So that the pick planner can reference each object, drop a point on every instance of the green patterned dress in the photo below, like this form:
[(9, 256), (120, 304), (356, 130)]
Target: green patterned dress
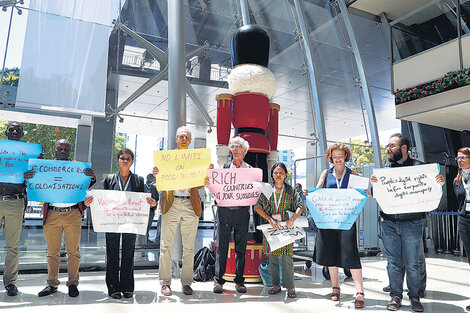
[(290, 201)]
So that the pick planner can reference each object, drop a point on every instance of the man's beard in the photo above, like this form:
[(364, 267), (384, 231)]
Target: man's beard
[(396, 156)]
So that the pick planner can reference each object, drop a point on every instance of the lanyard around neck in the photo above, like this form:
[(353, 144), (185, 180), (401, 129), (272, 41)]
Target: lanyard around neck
[(338, 185), (277, 201), (127, 183)]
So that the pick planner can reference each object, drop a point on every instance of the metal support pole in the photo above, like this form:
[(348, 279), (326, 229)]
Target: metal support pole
[(6, 51), (312, 74), (303, 159), (176, 70), (418, 141), (459, 34), (365, 84), (245, 12)]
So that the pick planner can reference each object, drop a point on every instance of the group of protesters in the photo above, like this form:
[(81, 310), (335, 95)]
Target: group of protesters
[(401, 233)]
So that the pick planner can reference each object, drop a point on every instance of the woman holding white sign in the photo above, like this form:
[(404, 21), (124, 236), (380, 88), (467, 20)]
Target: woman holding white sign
[(462, 192), (120, 283), (338, 248), (275, 209)]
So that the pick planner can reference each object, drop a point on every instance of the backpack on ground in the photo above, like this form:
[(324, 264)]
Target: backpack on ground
[(204, 265)]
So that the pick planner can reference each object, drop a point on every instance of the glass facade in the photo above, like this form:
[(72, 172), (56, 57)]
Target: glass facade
[(114, 68)]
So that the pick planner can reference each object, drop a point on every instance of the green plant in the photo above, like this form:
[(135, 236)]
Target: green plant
[(11, 77), (449, 81)]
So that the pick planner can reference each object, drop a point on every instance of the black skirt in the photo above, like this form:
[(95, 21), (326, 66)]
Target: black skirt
[(337, 248)]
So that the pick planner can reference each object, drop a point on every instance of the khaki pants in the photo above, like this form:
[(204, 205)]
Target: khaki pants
[(180, 212), (11, 211), (69, 223)]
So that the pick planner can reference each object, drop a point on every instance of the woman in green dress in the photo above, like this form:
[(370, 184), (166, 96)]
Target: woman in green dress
[(274, 210)]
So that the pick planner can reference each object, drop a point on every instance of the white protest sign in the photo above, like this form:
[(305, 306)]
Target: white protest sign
[(114, 211), (283, 235), (358, 182), (409, 189)]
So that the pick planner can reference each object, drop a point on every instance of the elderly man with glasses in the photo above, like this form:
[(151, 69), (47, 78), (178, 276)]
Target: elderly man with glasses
[(236, 218), (179, 207)]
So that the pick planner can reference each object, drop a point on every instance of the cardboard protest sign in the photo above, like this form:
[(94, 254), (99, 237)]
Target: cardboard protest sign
[(58, 181), (14, 156), (234, 186), (408, 189), (282, 236), (114, 211), (333, 208), (181, 168)]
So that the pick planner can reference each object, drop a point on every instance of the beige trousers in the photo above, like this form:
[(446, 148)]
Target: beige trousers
[(69, 223), (180, 212), (11, 211)]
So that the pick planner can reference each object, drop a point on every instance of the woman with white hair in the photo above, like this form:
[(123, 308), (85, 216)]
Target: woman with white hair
[(232, 218)]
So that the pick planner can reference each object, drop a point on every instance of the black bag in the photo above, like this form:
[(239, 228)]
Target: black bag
[(204, 265)]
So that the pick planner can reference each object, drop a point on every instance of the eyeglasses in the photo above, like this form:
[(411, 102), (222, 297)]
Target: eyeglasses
[(463, 158), (391, 146), (123, 159), (233, 147)]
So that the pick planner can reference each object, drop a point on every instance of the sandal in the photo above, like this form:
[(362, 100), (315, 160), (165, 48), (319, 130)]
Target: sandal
[(291, 293), (335, 294), (358, 303), (274, 290)]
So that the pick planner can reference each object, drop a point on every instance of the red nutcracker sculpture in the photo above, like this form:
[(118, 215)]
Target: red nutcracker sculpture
[(254, 118)]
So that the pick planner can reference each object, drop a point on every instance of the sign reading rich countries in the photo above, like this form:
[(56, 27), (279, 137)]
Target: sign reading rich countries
[(335, 208), (408, 189), (114, 211), (234, 186), (58, 181), (14, 156), (181, 168)]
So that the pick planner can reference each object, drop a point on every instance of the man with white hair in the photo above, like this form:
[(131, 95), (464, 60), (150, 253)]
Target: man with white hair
[(236, 218), (179, 207)]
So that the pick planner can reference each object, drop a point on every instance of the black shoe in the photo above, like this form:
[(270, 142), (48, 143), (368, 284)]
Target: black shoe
[(416, 305), (386, 288), (467, 308), (73, 291), (240, 288), (127, 294), (116, 295), (11, 290), (47, 291)]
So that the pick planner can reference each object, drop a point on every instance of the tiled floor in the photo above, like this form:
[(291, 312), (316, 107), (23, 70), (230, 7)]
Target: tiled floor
[(447, 291)]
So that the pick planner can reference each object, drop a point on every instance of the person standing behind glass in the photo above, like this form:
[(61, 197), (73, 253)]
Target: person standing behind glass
[(462, 192), (298, 187), (122, 281), (333, 247), (150, 188), (273, 210)]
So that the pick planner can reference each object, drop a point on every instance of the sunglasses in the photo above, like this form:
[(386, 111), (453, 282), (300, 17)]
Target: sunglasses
[(123, 159)]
